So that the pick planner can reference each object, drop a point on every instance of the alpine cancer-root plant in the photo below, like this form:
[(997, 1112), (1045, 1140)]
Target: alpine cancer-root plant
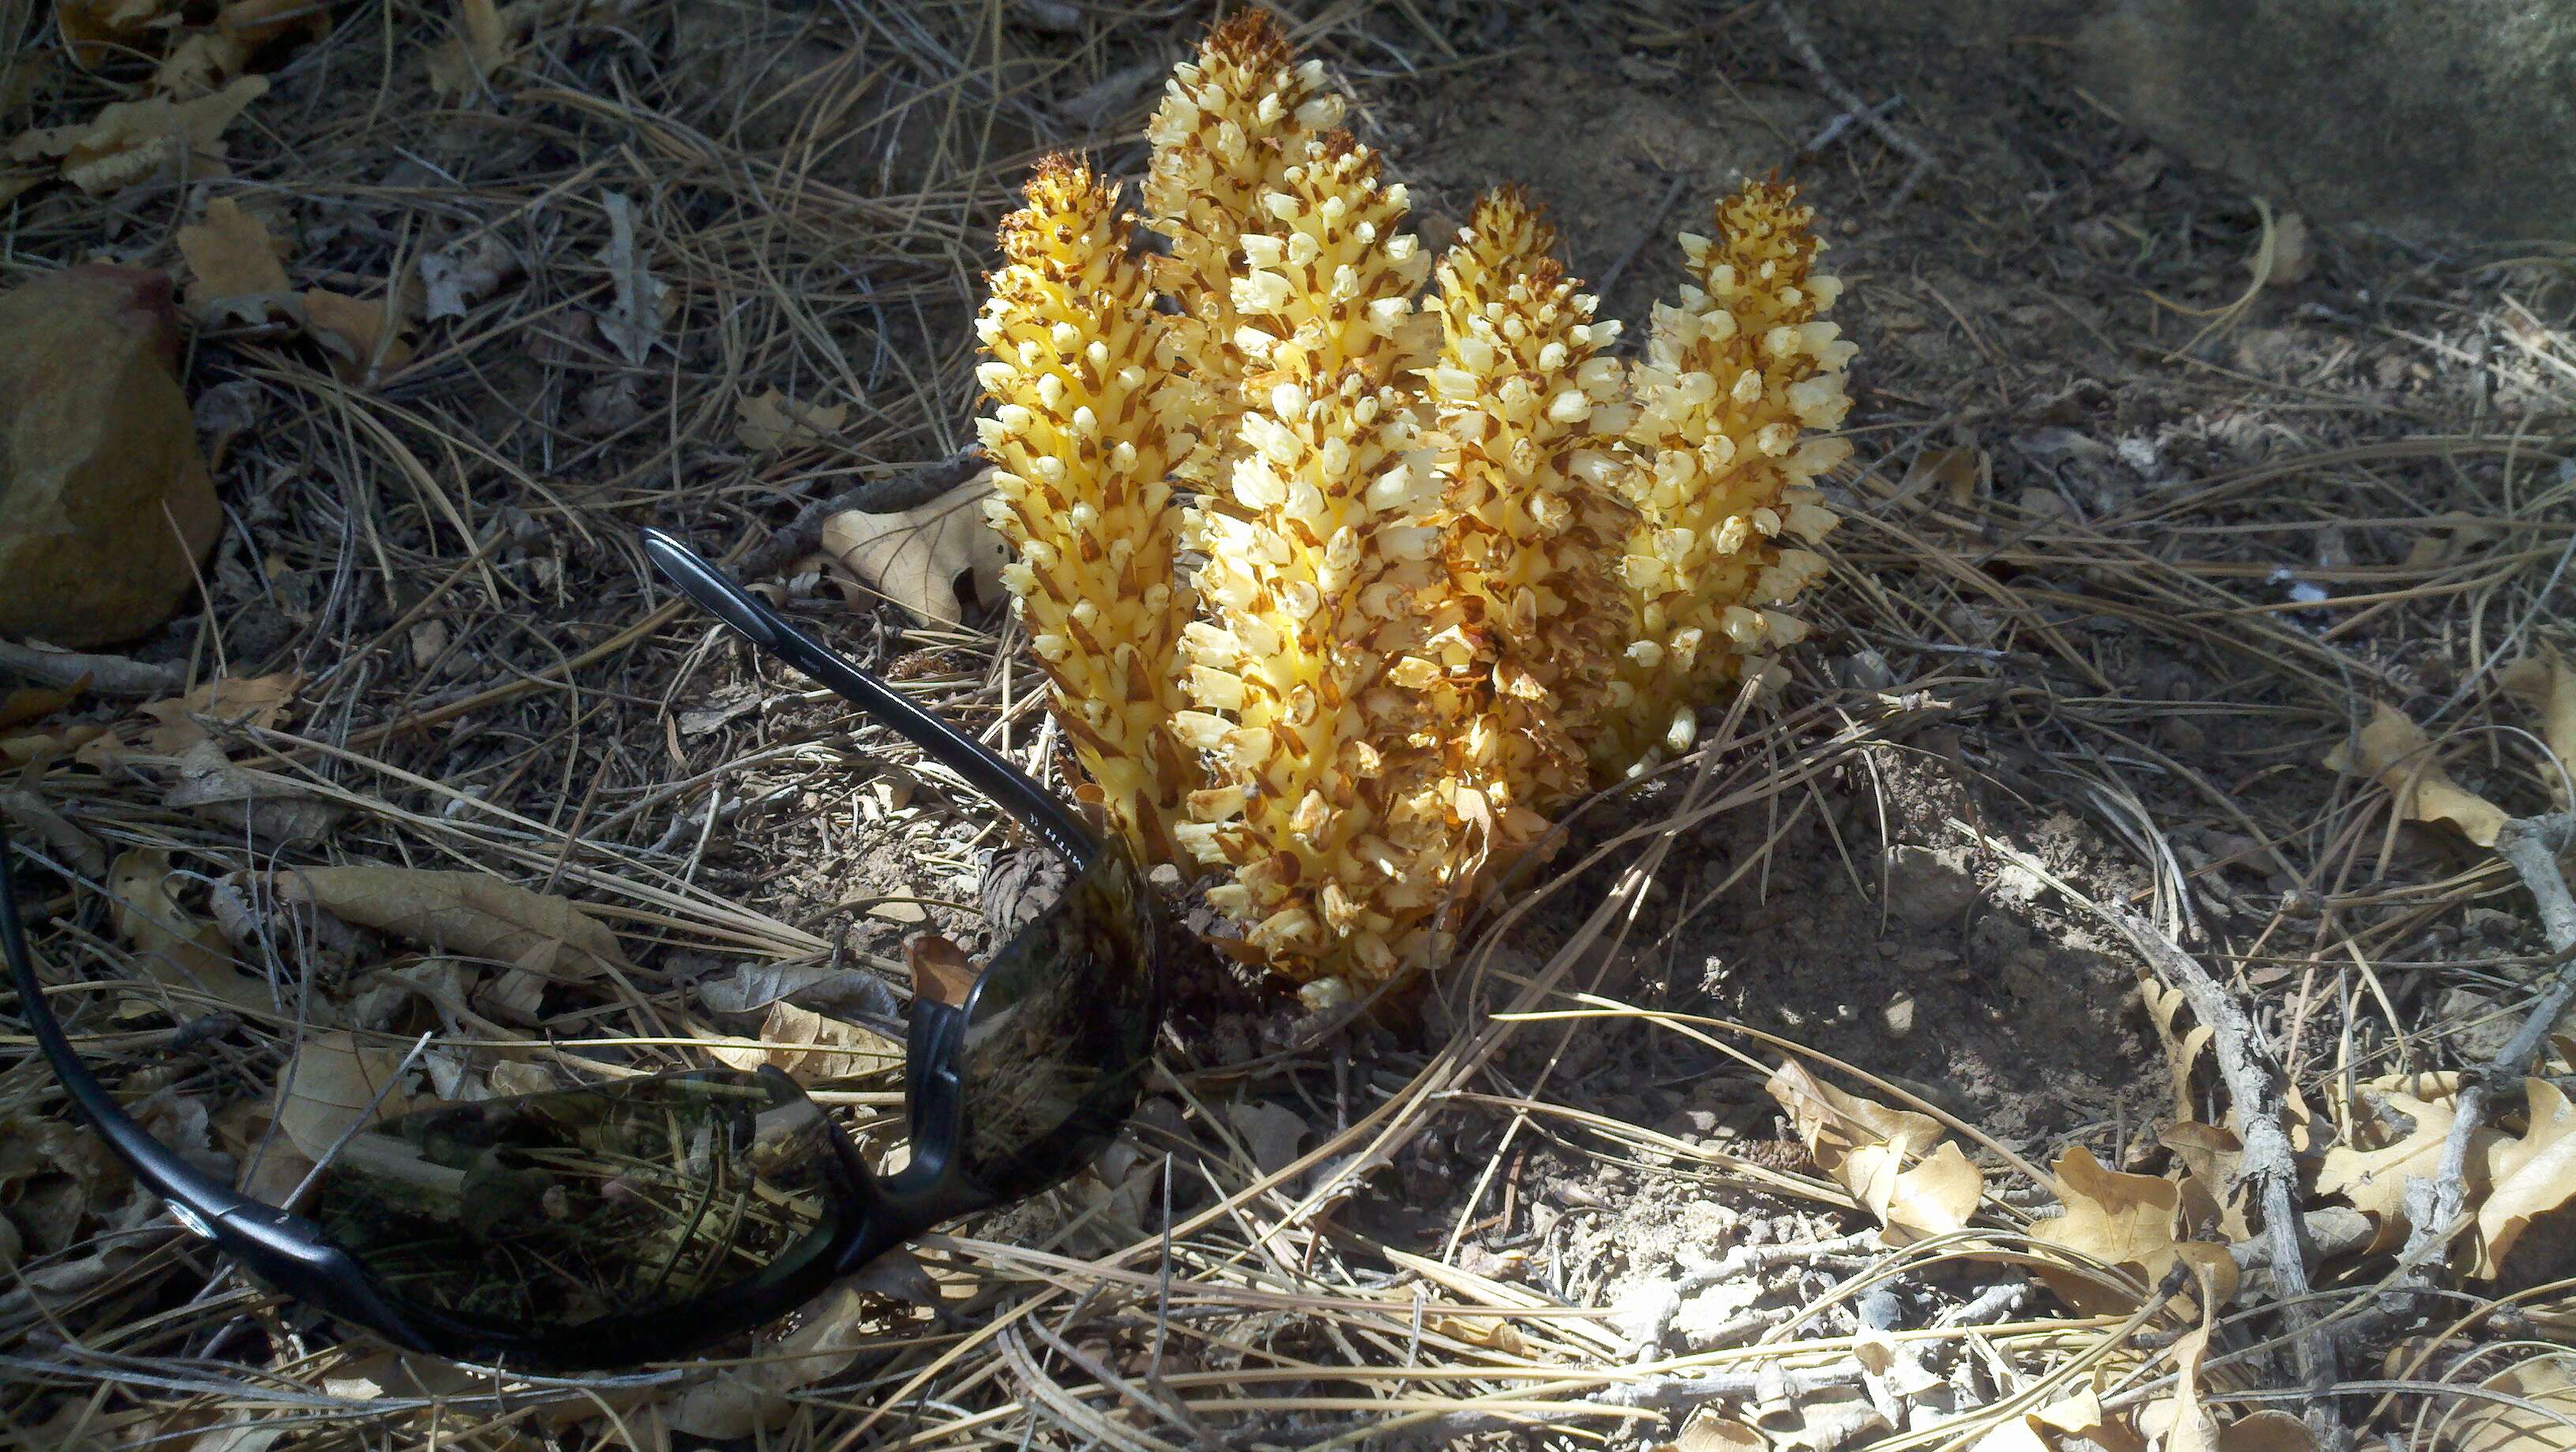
[(1348, 566)]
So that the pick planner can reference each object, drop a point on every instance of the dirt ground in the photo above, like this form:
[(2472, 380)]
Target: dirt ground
[(2131, 544)]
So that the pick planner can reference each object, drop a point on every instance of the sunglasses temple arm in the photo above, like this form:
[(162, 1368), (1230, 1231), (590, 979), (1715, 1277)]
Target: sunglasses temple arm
[(172, 1178), (1033, 806)]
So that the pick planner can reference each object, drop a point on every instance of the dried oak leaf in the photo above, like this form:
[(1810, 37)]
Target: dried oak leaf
[(260, 702), (484, 38), (181, 951), (916, 557), (366, 339), (2128, 1221), (774, 421), (2396, 752), (105, 504), (93, 31), (472, 914), (2528, 1175), (132, 141), (335, 1084), (2546, 684), (2544, 1420), (1865, 1146), (809, 1047), (234, 272)]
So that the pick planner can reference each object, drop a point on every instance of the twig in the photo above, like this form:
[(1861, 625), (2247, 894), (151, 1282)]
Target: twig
[(804, 534), (2530, 845), (1925, 164), (2255, 1083), (109, 675)]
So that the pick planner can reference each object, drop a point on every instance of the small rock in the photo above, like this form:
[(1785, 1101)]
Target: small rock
[(1898, 1015), (1926, 891)]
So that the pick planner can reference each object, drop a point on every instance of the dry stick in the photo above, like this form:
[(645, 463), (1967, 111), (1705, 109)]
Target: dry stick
[(108, 675), (2530, 846), (803, 535), (2256, 1083), (1925, 164)]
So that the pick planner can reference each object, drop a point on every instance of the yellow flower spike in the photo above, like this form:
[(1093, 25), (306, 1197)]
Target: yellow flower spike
[(1083, 429), (1732, 379), (1528, 406), (1315, 676), (1230, 125)]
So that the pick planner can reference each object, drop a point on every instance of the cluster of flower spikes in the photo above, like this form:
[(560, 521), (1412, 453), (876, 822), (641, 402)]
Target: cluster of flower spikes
[(1531, 415), (1732, 379), (1448, 552), (1085, 428)]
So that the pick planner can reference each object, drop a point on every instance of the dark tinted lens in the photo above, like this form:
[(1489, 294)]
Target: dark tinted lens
[(540, 1212), (1059, 1034)]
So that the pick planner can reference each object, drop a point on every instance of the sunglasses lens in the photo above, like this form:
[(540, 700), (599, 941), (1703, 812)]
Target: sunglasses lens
[(541, 1212), (1059, 1034)]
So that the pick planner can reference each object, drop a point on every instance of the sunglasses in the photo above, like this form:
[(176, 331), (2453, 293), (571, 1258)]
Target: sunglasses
[(643, 1218)]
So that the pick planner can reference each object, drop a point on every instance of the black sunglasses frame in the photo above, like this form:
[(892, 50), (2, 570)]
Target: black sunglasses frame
[(295, 1255)]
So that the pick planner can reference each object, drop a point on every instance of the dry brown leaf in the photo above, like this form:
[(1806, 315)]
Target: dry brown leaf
[(96, 30), (200, 64), (2182, 1048), (105, 504), (484, 38), (132, 141), (22, 704), (809, 1048), (180, 950), (471, 914), (2291, 257), (2545, 683), (2546, 1381), (1865, 1146), (773, 421), (2128, 1221), (230, 256), (267, 1165), (914, 558), (753, 1396), (2396, 752), (2372, 1175), (641, 302), (335, 1084), (1272, 1132), (258, 22), (356, 332), (259, 702), (2266, 1431), (2528, 1175), (1710, 1431)]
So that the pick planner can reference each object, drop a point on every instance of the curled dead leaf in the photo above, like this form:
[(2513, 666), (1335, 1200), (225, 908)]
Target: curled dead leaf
[(179, 950), (916, 557), (1866, 1148), (2396, 752), (472, 914), (2545, 683), (810, 1048), (133, 141)]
